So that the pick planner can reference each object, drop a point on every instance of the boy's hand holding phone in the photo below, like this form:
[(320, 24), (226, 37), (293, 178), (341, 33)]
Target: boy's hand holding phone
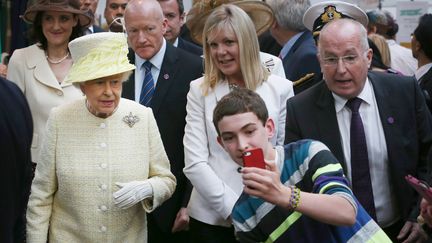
[(264, 184)]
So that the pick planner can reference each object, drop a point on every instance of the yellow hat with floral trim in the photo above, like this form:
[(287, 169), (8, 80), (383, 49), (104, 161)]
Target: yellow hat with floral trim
[(98, 55)]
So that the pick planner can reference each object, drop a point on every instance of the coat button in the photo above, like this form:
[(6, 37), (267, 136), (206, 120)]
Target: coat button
[(59, 93), (103, 228), (103, 145), (104, 187), (103, 165), (103, 208), (102, 125)]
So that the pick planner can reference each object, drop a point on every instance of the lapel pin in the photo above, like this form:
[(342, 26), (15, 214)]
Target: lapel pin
[(390, 120), (131, 119), (166, 76)]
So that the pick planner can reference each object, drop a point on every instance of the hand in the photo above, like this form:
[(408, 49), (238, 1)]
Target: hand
[(131, 193), (3, 70), (266, 184), (412, 232), (426, 212), (182, 221)]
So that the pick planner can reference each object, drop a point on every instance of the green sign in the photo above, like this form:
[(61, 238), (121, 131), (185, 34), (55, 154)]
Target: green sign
[(411, 12)]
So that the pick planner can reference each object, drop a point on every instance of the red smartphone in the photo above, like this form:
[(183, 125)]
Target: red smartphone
[(421, 187), (254, 158)]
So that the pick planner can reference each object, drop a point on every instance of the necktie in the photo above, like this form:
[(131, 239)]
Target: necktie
[(147, 89), (361, 182)]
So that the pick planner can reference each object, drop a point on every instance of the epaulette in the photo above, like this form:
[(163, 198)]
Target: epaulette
[(305, 78)]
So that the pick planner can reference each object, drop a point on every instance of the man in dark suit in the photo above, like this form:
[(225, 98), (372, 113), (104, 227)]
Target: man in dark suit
[(299, 51), (92, 6), (172, 69), (174, 13), (268, 44), (16, 131), (397, 126), (421, 46)]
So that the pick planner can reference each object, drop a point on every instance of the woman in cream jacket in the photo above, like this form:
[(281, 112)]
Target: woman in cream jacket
[(39, 69)]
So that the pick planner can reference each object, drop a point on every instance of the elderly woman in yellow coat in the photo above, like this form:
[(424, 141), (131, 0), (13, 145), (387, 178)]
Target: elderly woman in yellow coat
[(103, 164)]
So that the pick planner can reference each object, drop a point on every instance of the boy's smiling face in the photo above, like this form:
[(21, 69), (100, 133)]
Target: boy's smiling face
[(244, 131)]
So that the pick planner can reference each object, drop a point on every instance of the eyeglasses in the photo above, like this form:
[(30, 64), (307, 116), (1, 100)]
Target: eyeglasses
[(347, 60)]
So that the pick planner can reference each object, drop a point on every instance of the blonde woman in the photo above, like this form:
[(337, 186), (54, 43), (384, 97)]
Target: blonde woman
[(383, 48), (231, 54)]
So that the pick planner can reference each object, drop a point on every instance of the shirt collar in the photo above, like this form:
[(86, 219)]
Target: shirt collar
[(422, 70), (176, 42), (287, 47), (366, 95), (156, 60)]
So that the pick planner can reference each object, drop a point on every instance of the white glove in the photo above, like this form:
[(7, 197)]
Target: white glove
[(132, 193)]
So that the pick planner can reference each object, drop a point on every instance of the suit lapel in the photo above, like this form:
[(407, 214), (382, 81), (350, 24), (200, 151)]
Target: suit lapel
[(328, 125), (166, 77), (426, 79), (128, 91), (387, 112), (296, 45), (180, 43), (42, 71)]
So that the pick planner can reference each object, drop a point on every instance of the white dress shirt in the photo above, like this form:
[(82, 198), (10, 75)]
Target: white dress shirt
[(422, 70), (402, 59), (156, 60), (385, 205)]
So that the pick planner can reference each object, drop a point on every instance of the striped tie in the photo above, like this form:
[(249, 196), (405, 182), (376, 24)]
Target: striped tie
[(147, 89)]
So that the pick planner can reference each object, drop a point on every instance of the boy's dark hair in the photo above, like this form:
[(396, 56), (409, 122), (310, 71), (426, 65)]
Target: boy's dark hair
[(240, 100), (37, 34), (423, 34)]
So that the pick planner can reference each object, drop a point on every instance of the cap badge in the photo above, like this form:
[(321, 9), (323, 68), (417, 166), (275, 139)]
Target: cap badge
[(330, 13)]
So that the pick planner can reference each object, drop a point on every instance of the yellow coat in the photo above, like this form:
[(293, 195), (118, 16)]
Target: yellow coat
[(82, 158)]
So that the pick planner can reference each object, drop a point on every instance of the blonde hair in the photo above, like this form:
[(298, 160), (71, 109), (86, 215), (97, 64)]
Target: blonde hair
[(228, 17), (382, 46)]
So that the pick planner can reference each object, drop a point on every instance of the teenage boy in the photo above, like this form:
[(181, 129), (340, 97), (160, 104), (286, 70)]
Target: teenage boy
[(301, 196)]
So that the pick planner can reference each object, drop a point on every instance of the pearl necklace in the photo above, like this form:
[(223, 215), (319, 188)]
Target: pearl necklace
[(58, 61)]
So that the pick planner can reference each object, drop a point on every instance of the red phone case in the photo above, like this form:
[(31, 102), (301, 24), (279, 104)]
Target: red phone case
[(254, 158), (421, 187)]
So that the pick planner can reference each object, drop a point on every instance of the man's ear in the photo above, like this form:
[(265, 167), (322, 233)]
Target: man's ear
[(182, 18), (274, 25), (417, 46), (270, 128), (369, 56)]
